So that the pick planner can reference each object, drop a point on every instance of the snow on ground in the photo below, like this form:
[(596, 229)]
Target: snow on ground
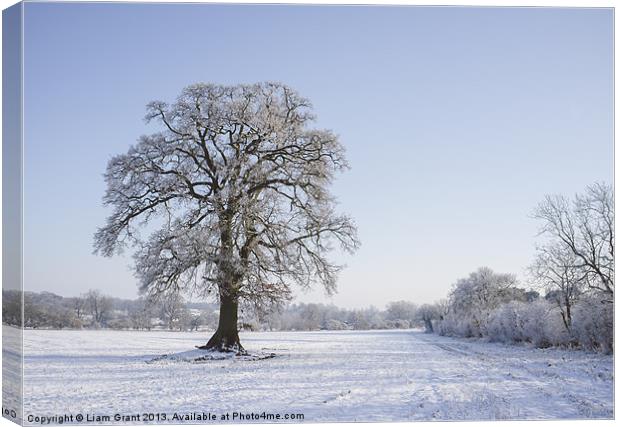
[(326, 376), (11, 372)]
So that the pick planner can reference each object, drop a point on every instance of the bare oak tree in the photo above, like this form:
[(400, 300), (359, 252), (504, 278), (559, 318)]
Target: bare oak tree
[(235, 186), (585, 227)]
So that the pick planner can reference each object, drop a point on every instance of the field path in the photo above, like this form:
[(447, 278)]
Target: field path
[(326, 376), (522, 382)]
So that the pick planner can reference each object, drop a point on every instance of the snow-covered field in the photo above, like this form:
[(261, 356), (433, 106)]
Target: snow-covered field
[(326, 376)]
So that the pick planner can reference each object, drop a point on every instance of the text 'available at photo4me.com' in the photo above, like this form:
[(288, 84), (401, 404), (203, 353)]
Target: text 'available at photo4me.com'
[(158, 417)]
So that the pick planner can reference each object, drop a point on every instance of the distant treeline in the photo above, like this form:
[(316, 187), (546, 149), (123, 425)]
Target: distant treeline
[(94, 310)]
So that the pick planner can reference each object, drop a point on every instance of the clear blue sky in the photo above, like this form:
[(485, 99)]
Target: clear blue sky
[(457, 121)]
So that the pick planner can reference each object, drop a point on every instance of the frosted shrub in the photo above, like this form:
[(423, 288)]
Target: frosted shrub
[(555, 330), (542, 324), (474, 298), (537, 322), (447, 325), (398, 324), (505, 323), (534, 323), (335, 325), (443, 327), (454, 326), (592, 324)]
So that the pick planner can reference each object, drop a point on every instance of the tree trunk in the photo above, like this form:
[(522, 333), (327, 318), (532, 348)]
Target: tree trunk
[(428, 323), (569, 320), (226, 337)]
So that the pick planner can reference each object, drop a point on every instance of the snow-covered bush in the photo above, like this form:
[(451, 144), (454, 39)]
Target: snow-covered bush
[(505, 323), (593, 324), (335, 325), (444, 326), (537, 322), (541, 324), (473, 299), (576, 311), (398, 324), (455, 325)]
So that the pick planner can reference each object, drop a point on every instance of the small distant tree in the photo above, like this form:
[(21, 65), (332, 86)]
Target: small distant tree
[(142, 313), (172, 310), (237, 182), (311, 317), (402, 310), (79, 307), (196, 320), (359, 320), (427, 313), (99, 307), (365, 318)]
